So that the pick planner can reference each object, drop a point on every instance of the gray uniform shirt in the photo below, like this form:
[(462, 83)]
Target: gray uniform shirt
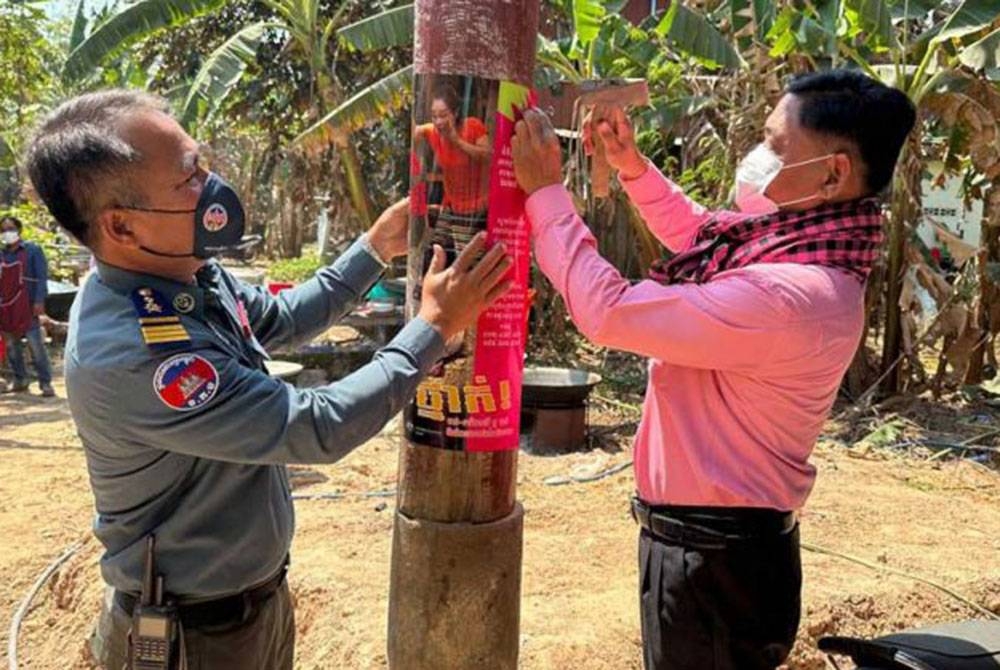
[(188, 439)]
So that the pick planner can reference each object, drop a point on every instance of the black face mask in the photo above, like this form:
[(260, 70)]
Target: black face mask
[(219, 220)]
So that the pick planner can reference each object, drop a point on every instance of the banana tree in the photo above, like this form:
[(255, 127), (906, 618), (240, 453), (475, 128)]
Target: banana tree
[(932, 72), (124, 28), (605, 45), (27, 79), (298, 22), (386, 30), (933, 52), (602, 44)]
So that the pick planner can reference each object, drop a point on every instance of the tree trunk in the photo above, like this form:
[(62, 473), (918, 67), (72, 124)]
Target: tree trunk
[(454, 598), (905, 211), (356, 188), (989, 292)]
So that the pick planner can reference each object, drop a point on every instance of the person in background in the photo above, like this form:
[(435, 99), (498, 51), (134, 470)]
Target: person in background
[(23, 278)]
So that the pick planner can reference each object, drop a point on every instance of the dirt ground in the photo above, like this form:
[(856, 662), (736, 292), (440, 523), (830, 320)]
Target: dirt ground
[(933, 518)]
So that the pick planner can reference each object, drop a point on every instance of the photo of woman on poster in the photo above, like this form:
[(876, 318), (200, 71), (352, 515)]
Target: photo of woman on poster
[(453, 152), (450, 185), (461, 150)]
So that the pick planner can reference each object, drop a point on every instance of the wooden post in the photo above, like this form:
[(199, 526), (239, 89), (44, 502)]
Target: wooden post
[(454, 599)]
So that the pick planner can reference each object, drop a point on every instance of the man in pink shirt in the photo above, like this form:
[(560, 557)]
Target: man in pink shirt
[(749, 330)]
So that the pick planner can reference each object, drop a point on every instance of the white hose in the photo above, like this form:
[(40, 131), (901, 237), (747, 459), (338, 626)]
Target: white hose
[(22, 610)]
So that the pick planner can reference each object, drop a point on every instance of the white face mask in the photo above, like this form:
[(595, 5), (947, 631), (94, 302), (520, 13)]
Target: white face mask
[(9, 237), (755, 173)]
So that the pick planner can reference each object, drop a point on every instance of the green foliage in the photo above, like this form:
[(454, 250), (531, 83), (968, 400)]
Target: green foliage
[(970, 17), (295, 269), (587, 18), (883, 435), (37, 229), (26, 78), (707, 181), (222, 71), (392, 28), (371, 103), (79, 27), (694, 34), (131, 24)]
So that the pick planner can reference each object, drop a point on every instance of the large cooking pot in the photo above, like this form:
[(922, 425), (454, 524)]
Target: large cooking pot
[(557, 387), (59, 300)]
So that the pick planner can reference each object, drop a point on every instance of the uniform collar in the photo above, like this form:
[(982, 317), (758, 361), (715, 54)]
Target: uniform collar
[(186, 299)]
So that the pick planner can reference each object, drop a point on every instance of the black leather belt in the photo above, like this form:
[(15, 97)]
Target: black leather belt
[(711, 527), (224, 611)]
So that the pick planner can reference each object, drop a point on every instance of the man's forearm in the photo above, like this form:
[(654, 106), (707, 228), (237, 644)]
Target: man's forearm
[(299, 314)]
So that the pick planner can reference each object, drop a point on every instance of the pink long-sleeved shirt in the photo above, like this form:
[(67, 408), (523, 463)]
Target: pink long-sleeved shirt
[(744, 368)]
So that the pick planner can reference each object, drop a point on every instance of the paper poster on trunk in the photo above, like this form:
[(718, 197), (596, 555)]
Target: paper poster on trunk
[(461, 183)]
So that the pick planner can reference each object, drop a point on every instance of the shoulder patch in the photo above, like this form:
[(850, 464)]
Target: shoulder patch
[(160, 325), (185, 382)]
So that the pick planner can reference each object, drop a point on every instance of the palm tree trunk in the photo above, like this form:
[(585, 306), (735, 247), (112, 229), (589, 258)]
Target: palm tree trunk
[(905, 210), (989, 292), (329, 94), (356, 188), (457, 537)]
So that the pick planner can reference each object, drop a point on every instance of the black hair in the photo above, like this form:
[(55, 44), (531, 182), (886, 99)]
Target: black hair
[(852, 106), (78, 161), (13, 219), (449, 96)]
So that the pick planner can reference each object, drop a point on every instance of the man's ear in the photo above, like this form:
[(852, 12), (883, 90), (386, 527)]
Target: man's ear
[(116, 228), (838, 181)]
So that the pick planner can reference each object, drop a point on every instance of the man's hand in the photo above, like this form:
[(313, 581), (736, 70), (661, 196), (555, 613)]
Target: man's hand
[(612, 127), (388, 236), (537, 156), (38, 309), (453, 297)]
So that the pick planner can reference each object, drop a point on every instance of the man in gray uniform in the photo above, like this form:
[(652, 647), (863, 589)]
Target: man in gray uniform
[(186, 436)]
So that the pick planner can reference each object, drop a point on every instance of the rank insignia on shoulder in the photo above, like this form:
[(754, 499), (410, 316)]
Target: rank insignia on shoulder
[(160, 325)]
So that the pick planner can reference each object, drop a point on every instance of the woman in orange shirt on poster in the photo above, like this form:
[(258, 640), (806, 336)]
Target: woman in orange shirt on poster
[(462, 152)]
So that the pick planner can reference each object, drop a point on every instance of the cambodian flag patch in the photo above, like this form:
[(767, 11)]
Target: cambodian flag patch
[(185, 382)]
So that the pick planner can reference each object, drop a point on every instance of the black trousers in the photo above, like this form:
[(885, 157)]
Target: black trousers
[(733, 608)]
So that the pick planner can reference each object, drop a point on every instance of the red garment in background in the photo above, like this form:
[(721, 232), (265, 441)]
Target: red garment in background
[(15, 305)]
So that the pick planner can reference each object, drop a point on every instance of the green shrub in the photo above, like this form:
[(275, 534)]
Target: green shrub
[(295, 269)]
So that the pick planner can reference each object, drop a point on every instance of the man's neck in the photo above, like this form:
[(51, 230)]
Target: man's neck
[(180, 275)]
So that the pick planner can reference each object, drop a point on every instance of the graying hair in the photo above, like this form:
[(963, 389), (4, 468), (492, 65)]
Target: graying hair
[(78, 161)]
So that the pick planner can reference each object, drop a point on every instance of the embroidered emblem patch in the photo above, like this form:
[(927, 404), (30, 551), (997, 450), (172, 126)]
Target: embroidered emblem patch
[(184, 303), (185, 382), (215, 218)]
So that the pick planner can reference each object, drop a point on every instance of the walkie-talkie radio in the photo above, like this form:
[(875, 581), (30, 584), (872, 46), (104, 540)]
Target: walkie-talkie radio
[(154, 624)]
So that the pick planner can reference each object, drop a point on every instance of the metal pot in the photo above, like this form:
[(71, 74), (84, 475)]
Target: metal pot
[(557, 387), (59, 300)]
